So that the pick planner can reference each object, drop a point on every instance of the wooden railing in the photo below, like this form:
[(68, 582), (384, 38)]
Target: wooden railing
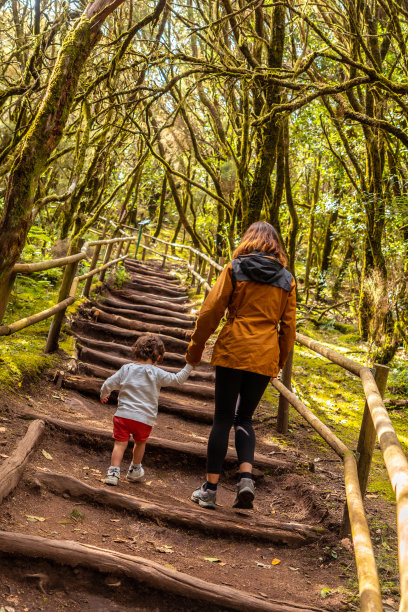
[(200, 275), (375, 423), (69, 284)]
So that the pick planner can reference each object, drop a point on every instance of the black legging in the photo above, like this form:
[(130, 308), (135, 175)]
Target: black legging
[(237, 394)]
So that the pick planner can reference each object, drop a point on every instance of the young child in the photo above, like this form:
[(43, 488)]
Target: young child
[(139, 385)]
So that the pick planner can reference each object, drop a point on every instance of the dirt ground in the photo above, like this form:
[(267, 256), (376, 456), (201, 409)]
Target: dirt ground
[(319, 574)]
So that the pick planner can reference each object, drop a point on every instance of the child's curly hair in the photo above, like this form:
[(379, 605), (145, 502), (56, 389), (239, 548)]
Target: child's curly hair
[(148, 347)]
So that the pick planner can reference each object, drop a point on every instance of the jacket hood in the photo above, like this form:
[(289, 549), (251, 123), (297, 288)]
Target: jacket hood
[(261, 268)]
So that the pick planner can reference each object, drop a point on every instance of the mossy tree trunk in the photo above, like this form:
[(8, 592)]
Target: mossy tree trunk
[(270, 130), (43, 137), (294, 218), (162, 207)]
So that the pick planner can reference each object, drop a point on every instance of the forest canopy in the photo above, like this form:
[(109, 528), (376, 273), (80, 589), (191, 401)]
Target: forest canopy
[(207, 116)]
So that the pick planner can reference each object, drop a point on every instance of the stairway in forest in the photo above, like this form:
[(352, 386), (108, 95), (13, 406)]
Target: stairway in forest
[(211, 551)]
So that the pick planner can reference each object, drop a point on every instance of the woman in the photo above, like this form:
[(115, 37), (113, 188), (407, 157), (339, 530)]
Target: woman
[(251, 348)]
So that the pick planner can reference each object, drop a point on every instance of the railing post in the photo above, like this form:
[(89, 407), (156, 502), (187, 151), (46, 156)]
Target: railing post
[(108, 252), (367, 437), (190, 259), (55, 327), (221, 261), (209, 279), (146, 240), (128, 243), (283, 408), (166, 248), (94, 261), (201, 271), (193, 278), (366, 444)]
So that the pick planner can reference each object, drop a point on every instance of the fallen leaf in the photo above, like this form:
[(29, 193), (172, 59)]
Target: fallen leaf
[(35, 519), (170, 566), (164, 549), (47, 455), (212, 559), (294, 569), (121, 540), (325, 592), (86, 467), (65, 522), (275, 561), (264, 565), (2, 429), (4, 456), (346, 543), (115, 520)]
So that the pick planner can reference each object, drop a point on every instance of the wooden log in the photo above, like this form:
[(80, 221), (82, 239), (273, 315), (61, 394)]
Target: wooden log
[(185, 408), (173, 285), (89, 355), (128, 336), (158, 296), (123, 350), (136, 297), (192, 389), (113, 303), (136, 315), (182, 406), (12, 467), (149, 573), (158, 283), (291, 534), (105, 317), (161, 445), (132, 264), (160, 291)]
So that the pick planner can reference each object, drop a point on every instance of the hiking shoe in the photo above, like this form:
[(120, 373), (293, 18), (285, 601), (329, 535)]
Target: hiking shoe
[(112, 477), (135, 473), (245, 494), (204, 498)]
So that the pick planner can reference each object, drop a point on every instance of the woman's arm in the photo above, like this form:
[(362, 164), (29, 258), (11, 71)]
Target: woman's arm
[(287, 326), (210, 315)]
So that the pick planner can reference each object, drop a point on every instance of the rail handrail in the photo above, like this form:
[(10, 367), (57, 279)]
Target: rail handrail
[(203, 256), (70, 297)]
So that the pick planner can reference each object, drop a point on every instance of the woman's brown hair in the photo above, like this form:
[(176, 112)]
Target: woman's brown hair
[(148, 347), (261, 236)]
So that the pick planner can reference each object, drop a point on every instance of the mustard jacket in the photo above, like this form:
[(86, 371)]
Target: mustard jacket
[(260, 328)]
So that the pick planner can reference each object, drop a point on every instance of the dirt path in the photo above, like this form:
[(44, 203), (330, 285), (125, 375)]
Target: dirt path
[(276, 557)]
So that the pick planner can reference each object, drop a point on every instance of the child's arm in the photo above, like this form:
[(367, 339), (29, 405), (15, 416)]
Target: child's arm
[(168, 379), (111, 384)]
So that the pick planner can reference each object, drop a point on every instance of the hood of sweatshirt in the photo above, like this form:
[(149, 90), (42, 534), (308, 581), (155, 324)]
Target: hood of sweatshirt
[(261, 268)]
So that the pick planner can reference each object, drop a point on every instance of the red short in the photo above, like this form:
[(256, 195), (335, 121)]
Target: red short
[(123, 428)]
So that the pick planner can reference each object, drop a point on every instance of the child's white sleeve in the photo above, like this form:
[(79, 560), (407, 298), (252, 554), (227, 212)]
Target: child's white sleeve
[(168, 379), (112, 383)]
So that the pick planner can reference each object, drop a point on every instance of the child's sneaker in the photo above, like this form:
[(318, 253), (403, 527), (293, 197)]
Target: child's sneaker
[(245, 494), (135, 473), (112, 477), (204, 498)]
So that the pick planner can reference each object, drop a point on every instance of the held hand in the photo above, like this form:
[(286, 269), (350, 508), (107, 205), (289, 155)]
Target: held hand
[(104, 399)]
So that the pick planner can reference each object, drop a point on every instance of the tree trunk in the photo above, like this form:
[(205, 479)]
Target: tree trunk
[(44, 135), (269, 135), (294, 219), (162, 207)]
